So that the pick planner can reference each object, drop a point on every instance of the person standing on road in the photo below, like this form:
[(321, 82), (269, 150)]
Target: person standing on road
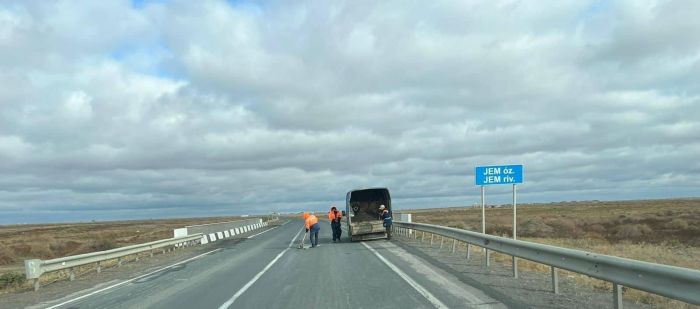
[(312, 227), (386, 217), (334, 216)]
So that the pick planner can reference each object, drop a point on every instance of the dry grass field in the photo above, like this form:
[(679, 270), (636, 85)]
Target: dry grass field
[(659, 231), (47, 241)]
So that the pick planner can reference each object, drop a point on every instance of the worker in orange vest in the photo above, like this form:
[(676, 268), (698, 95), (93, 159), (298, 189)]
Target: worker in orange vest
[(334, 216), (312, 227)]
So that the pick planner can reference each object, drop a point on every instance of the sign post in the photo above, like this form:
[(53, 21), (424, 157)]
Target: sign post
[(499, 175), (515, 224)]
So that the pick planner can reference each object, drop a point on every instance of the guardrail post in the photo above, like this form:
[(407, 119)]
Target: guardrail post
[(151, 252), (415, 234), (617, 296), (37, 285), (454, 245), (71, 274), (432, 236), (515, 267), (442, 240), (469, 251), (555, 280), (422, 236), (99, 267), (488, 257)]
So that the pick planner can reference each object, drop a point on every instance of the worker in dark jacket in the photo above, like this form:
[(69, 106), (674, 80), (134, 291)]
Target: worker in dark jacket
[(385, 216), (334, 216)]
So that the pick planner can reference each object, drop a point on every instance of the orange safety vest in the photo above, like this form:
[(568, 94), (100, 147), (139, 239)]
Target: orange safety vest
[(311, 220), (332, 216)]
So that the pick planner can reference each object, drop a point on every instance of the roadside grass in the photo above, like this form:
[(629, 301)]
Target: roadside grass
[(657, 231), (48, 241)]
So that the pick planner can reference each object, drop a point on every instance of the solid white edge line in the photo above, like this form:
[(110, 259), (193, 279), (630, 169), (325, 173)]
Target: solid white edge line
[(430, 297), (130, 280), (265, 231), (252, 281)]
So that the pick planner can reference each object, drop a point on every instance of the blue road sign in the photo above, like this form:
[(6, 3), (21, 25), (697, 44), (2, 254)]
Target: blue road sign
[(499, 175)]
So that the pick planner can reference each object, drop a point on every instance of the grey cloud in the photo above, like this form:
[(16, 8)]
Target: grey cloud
[(207, 108)]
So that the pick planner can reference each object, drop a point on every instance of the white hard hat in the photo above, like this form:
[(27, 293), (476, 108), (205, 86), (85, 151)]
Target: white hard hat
[(382, 207)]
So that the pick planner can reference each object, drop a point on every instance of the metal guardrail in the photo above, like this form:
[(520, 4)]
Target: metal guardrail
[(673, 282), (35, 268), (210, 228)]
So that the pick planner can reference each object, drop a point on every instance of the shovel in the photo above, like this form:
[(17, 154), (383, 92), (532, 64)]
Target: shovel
[(301, 245)]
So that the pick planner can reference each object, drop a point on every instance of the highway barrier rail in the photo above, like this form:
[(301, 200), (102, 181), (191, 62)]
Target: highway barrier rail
[(34, 268), (673, 282), (189, 235), (217, 231)]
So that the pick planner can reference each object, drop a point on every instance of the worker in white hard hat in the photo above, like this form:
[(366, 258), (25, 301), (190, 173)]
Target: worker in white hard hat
[(385, 216)]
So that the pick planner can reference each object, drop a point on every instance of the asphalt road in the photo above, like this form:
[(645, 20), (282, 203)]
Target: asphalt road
[(268, 271)]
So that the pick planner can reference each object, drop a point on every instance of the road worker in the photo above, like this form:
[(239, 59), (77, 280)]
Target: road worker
[(312, 227), (386, 217), (334, 216)]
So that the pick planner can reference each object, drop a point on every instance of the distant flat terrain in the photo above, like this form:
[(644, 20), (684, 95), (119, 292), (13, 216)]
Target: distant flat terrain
[(47, 241)]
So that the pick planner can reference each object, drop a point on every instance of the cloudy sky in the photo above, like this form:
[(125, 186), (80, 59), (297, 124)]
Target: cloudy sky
[(154, 109)]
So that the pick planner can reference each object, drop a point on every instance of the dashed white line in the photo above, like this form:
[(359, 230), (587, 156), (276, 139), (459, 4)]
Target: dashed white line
[(430, 297), (130, 280), (250, 283)]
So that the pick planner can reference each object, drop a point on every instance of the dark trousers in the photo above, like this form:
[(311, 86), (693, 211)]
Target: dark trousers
[(313, 234), (335, 226), (388, 231)]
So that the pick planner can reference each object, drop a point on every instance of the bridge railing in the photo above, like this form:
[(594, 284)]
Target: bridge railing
[(34, 268), (673, 282)]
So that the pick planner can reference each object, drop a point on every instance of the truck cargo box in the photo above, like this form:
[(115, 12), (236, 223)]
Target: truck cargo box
[(362, 207)]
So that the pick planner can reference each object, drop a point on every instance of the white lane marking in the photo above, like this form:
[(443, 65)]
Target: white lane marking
[(265, 231), (443, 281), (130, 280), (240, 292), (430, 297)]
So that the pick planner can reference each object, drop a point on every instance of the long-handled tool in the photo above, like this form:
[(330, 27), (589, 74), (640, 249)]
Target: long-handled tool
[(301, 245)]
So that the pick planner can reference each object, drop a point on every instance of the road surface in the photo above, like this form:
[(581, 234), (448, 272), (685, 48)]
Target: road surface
[(268, 271)]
